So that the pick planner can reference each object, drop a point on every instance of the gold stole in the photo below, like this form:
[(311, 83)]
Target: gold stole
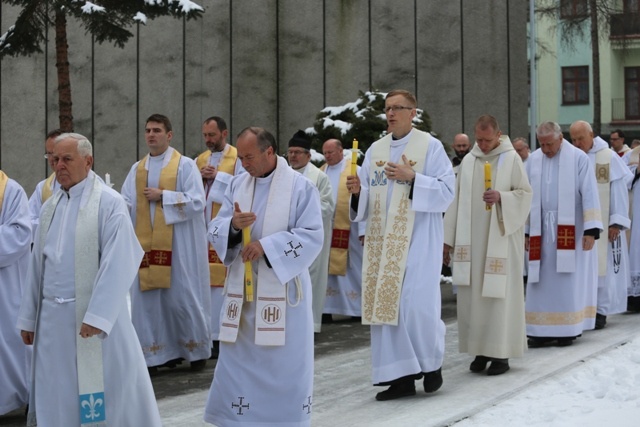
[(47, 186), (603, 161), (156, 241), (217, 270), (338, 254), (3, 185), (388, 235)]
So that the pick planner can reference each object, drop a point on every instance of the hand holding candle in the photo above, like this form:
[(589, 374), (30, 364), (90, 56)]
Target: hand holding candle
[(487, 181), (354, 158), (248, 271)]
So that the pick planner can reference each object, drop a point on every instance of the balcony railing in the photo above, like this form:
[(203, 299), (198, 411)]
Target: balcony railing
[(625, 25), (620, 112)]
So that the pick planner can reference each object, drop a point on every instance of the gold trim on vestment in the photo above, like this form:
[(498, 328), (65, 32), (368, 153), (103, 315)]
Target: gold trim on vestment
[(47, 187), (3, 185), (156, 240), (217, 270), (338, 255), (568, 318)]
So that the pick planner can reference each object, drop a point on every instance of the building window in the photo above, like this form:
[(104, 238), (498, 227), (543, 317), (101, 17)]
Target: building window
[(573, 9), (575, 85), (631, 6), (632, 93)]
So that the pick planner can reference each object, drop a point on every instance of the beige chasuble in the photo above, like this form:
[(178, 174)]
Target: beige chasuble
[(3, 185), (47, 187)]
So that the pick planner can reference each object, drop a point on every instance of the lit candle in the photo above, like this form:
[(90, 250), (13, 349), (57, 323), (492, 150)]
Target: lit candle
[(487, 180), (354, 158), (248, 271), (107, 179)]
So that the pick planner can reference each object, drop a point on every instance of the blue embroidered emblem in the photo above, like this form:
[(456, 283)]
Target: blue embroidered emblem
[(92, 408), (379, 178)]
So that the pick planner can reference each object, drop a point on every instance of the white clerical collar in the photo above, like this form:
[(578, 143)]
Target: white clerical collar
[(76, 190), (301, 170), (401, 141)]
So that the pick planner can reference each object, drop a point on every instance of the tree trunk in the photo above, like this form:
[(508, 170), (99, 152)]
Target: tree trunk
[(595, 60), (64, 80)]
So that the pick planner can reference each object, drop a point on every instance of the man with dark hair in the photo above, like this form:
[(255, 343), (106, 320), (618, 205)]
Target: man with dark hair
[(405, 185), (484, 229), (617, 142), (170, 298), (46, 187), (264, 374), (218, 164)]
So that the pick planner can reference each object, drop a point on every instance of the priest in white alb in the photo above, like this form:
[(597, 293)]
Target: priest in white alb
[(217, 165), (170, 299), (612, 176), (15, 245), (344, 282), (484, 230), (405, 185), (299, 156), (264, 374), (564, 224), (88, 368), (632, 159)]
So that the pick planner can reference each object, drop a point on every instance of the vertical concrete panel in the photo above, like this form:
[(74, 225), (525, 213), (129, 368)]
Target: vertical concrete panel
[(439, 79), (23, 112), (161, 85), (81, 76), (346, 50), (301, 61), (208, 71), (254, 64), (519, 70), (485, 61), (393, 45), (115, 129)]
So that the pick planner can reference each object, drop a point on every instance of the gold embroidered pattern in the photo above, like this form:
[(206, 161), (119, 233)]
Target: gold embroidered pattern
[(462, 253), (374, 242), (495, 266), (544, 318), (388, 293)]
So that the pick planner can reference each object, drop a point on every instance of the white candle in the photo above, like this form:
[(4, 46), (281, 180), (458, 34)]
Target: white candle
[(107, 179)]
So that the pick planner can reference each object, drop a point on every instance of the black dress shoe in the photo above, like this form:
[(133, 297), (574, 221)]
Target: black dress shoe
[(565, 342), (479, 364), (498, 366), (601, 321), (537, 342), (327, 318), (433, 381), (215, 349), (396, 391)]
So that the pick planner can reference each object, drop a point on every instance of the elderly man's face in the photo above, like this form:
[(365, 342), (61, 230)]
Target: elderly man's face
[(48, 149), (522, 149), (298, 157), (71, 167), (581, 137), (550, 145), (332, 152), (257, 163)]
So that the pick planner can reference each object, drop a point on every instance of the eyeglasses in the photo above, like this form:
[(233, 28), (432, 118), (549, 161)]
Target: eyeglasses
[(295, 152), (615, 139), (396, 108), (46, 155)]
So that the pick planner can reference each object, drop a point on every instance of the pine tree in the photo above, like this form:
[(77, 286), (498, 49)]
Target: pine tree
[(105, 20)]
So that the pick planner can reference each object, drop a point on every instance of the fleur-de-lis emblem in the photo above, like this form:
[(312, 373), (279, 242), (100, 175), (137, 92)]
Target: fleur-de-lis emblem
[(380, 163), (92, 407)]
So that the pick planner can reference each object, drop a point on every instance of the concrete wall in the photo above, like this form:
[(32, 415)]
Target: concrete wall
[(270, 63)]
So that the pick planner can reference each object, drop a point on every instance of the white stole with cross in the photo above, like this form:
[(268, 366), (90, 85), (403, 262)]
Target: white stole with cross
[(271, 299), (494, 283), (389, 232)]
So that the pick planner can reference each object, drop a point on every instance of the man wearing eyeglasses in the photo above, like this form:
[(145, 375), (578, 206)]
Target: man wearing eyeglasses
[(299, 156), (405, 185), (617, 142), (46, 187)]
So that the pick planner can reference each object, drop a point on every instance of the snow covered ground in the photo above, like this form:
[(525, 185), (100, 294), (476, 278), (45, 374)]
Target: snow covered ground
[(595, 382)]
